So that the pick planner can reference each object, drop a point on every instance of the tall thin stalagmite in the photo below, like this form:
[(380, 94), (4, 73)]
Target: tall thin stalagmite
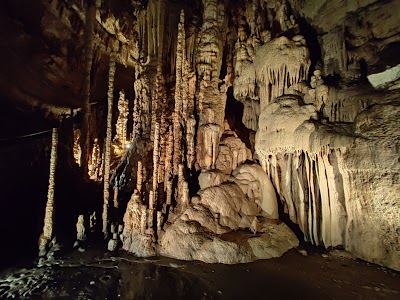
[(123, 108), (168, 165), (48, 227), (139, 177), (156, 160), (106, 192), (177, 156), (89, 43)]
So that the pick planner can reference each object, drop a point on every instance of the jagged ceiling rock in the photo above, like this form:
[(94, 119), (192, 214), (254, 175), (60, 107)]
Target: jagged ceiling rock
[(353, 33)]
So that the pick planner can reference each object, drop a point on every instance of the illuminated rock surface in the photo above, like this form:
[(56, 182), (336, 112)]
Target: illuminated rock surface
[(218, 131)]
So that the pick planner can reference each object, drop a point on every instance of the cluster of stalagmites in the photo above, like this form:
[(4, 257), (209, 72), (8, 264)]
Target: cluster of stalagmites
[(236, 196)]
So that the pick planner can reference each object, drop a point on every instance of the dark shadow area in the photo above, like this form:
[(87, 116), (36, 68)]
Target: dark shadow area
[(311, 36), (24, 177), (234, 115), (24, 169)]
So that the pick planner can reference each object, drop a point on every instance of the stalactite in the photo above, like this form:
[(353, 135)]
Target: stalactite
[(86, 110), (48, 227), (253, 17), (334, 50), (209, 52), (275, 76), (107, 153)]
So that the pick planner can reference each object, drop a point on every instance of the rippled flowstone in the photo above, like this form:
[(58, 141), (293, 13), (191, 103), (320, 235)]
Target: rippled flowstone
[(188, 240)]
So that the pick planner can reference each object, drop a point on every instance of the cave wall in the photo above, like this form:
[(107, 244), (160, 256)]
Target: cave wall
[(331, 161)]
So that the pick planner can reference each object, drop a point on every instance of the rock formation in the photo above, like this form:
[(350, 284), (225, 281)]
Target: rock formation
[(107, 152), (48, 227), (243, 113)]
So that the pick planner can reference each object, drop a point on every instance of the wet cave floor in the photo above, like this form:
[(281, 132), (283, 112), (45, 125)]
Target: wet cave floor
[(95, 274)]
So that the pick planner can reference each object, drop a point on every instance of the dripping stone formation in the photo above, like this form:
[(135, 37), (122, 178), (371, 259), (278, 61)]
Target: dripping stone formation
[(219, 131)]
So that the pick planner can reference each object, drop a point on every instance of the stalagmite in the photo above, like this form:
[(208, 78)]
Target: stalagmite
[(150, 214), (183, 189), (190, 141), (123, 108), (48, 227), (151, 200), (208, 139), (113, 242), (191, 121), (95, 161), (143, 219), (115, 197), (185, 85), (92, 221), (136, 120), (86, 110), (159, 221), (212, 95), (142, 102), (139, 177), (168, 166), (177, 116), (80, 229), (107, 154), (156, 160), (154, 114), (163, 149), (77, 147)]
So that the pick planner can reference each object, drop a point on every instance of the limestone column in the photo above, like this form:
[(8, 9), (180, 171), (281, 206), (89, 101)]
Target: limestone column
[(123, 108), (106, 193), (139, 177), (48, 227), (156, 160), (89, 43), (177, 116)]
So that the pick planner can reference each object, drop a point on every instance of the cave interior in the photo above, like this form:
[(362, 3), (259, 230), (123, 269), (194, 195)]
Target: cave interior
[(226, 132)]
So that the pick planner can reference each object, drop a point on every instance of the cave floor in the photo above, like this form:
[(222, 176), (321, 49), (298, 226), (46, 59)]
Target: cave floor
[(95, 275)]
